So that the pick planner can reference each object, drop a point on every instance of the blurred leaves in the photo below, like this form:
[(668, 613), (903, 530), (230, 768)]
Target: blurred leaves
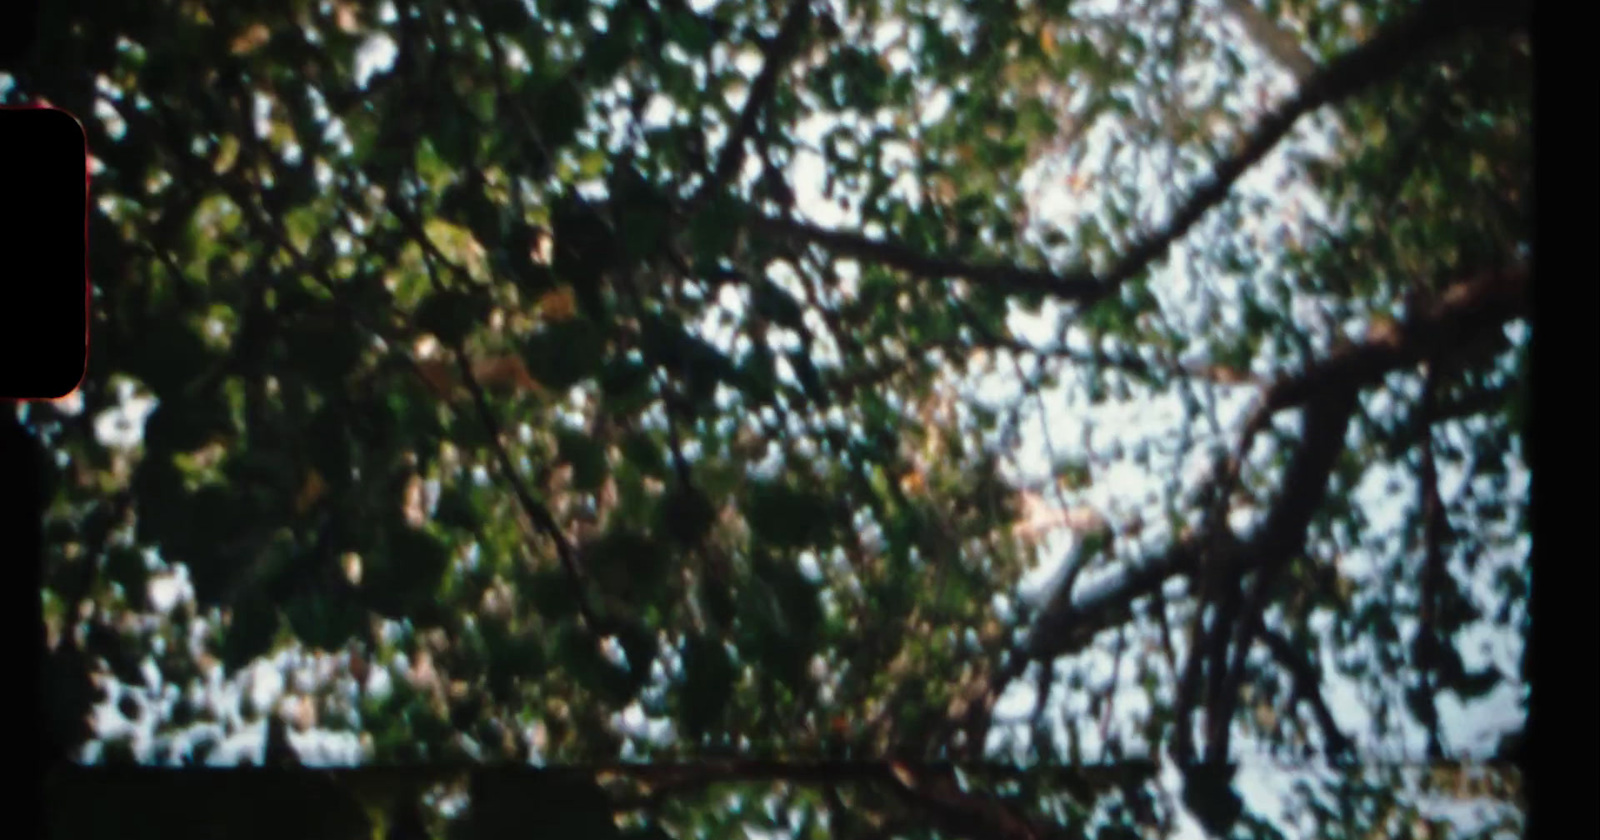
[(785, 517), (756, 474)]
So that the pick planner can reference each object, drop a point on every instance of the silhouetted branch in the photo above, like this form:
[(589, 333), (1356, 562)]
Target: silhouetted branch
[(1308, 687), (1277, 541), (964, 813), (1483, 303), (1435, 526), (779, 51), (1407, 40), (1391, 50), (537, 513), (1077, 285)]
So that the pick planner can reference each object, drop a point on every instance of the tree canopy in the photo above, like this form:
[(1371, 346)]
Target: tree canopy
[(807, 414)]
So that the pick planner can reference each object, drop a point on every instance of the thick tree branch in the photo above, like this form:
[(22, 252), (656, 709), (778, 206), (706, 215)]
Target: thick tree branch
[(1485, 303), (1409, 39), (1468, 309), (699, 775), (1395, 47), (928, 789), (1280, 538)]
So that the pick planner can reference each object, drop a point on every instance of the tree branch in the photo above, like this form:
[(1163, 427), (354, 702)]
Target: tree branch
[(1076, 285), (1391, 50), (1485, 302), (1395, 47), (962, 813), (1435, 526), (1308, 687), (1466, 310), (779, 51), (537, 513), (1279, 539)]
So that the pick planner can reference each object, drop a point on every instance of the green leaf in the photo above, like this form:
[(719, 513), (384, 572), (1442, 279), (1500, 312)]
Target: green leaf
[(776, 304), (532, 279), (125, 567), (639, 644), (454, 135), (650, 832), (708, 681), (250, 633), (565, 354), (775, 655), (714, 231), (452, 315), (644, 453), (858, 80), (758, 374), (121, 652), (780, 618), (687, 30), (586, 456), (502, 16), (558, 112), (522, 651), (324, 349), (583, 251), (160, 496), (403, 574), (1474, 685), (717, 598), (512, 657), (326, 620), (577, 652), (642, 214), (184, 425), (278, 568), (460, 506), (216, 543), (626, 386), (661, 340), (783, 517), (1073, 472), (550, 591), (686, 515), (643, 235), (167, 357), (796, 596), (628, 565), (328, 444), (609, 52)]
